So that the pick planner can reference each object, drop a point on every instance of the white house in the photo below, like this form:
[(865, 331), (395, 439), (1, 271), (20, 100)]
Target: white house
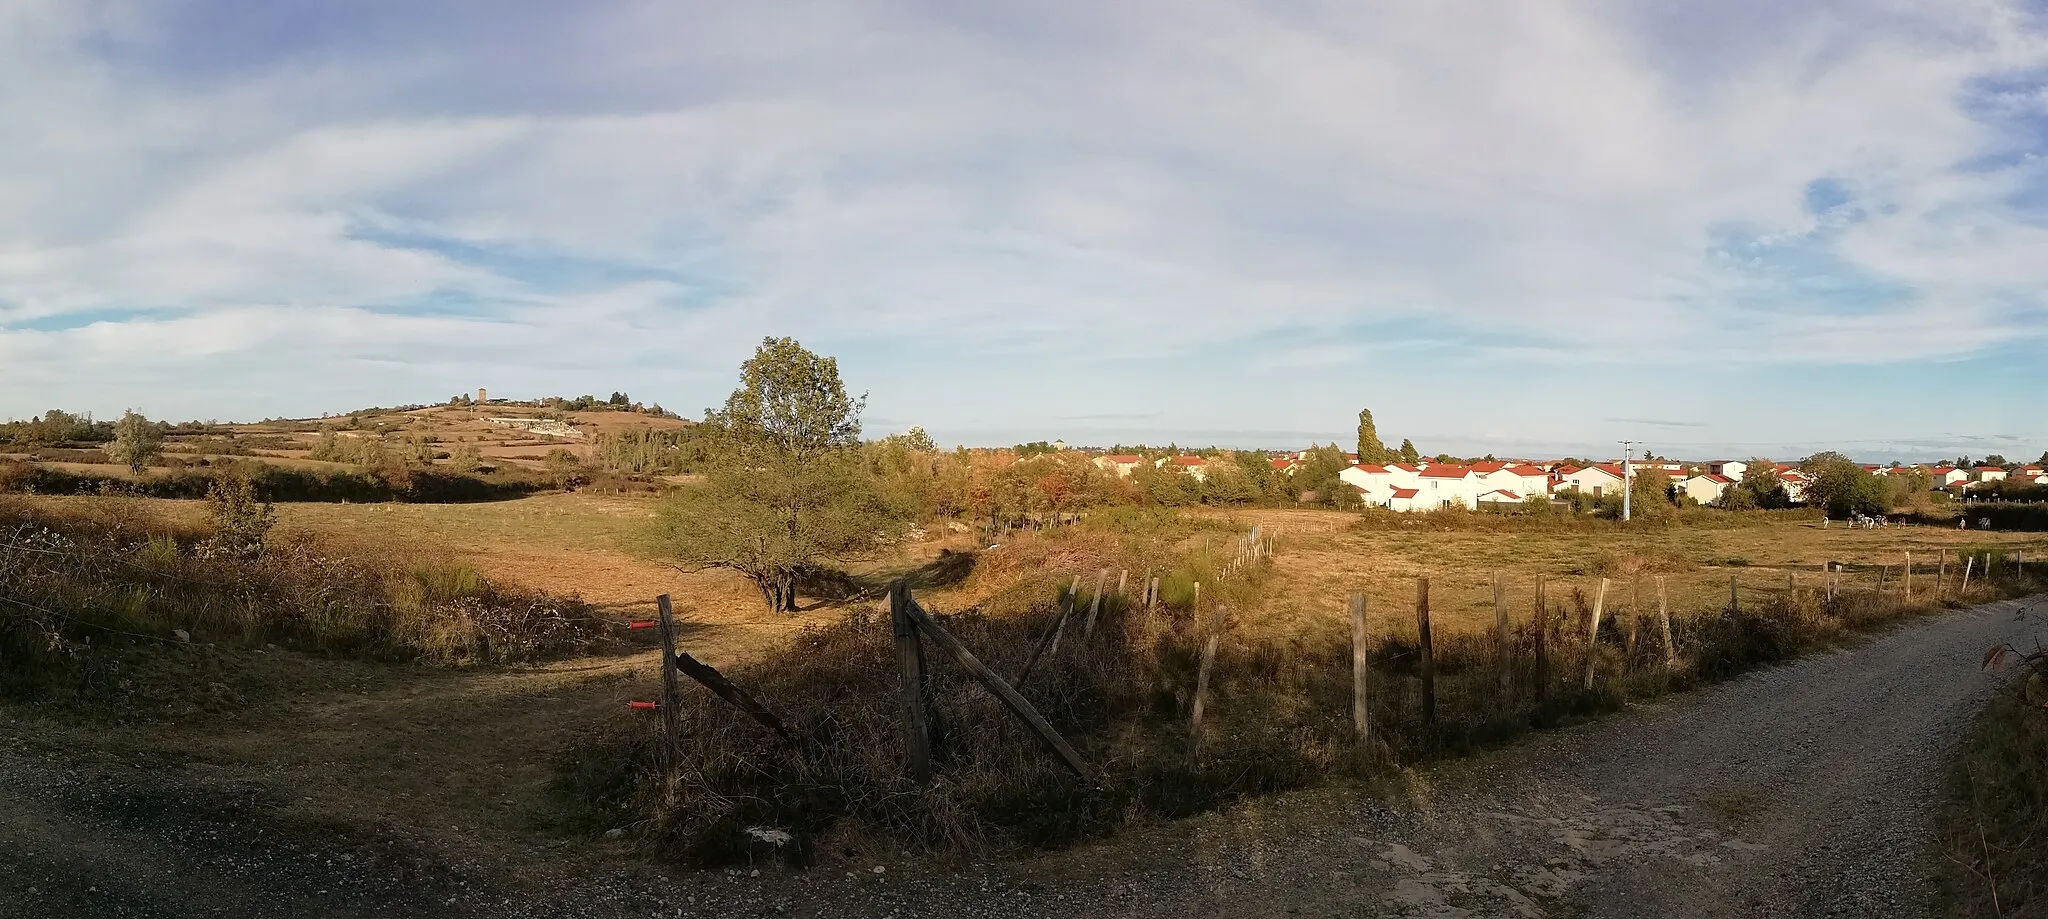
[(1795, 484), (1706, 488), (1730, 468), (1500, 496), (1192, 465), (1596, 480), (1944, 476), (2033, 475), (1988, 474), (1446, 484), (1122, 464)]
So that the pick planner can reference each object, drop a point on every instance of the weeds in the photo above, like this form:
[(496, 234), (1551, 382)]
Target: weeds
[(111, 577), (1279, 709)]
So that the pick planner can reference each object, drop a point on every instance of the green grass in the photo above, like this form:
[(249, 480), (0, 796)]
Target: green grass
[(1995, 827)]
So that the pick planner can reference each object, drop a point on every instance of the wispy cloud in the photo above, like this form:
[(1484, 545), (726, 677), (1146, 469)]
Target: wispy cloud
[(1203, 215)]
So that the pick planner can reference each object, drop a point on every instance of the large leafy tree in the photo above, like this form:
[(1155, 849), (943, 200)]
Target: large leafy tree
[(1408, 452), (785, 491), (1760, 488), (1842, 487), (137, 440)]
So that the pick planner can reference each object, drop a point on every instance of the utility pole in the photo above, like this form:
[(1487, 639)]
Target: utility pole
[(1628, 449)]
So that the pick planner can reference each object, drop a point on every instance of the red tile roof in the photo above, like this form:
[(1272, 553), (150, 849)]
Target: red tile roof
[(1280, 462), (1404, 492), (1370, 469), (1488, 466), (1527, 470), (1190, 461), (1446, 472), (1125, 459), (1511, 496), (1404, 467), (1990, 469)]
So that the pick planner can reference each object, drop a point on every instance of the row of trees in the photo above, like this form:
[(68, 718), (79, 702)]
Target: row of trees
[(1374, 451)]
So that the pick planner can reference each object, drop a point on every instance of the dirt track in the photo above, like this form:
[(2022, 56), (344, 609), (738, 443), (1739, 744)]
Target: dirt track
[(1803, 790)]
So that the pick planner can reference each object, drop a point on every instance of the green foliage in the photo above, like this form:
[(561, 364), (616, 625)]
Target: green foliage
[(1651, 495), (1318, 475), (55, 429), (239, 518), (1842, 488), (1409, 454), (646, 451), (787, 489), (137, 441), (1760, 489), (1370, 448)]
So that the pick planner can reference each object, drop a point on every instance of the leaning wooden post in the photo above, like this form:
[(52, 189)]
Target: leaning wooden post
[(1909, 575), (1361, 716), (1593, 632), (1664, 624), (1073, 602), (1017, 704), (1201, 700), (671, 688), (1503, 641), (910, 681), (1095, 607), (1428, 652), (1542, 641), (1968, 564)]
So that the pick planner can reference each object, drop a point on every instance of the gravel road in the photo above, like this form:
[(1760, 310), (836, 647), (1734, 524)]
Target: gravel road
[(1803, 790)]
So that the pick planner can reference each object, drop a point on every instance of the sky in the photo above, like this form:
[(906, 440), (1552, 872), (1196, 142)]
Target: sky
[(1751, 227)]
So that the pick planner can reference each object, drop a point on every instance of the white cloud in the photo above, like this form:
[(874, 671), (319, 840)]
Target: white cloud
[(1010, 185)]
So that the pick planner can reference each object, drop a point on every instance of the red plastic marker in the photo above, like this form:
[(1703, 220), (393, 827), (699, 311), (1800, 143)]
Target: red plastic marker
[(640, 624), (645, 706)]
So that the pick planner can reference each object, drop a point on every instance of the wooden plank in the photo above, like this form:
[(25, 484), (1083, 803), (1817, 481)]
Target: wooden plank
[(910, 681), (1504, 645), (1593, 632), (1073, 602), (1909, 574), (1664, 623), (1017, 704), (1428, 652), (1361, 716), (1095, 606), (1045, 638), (1542, 640), (1968, 564), (725, 689), (671, 690)]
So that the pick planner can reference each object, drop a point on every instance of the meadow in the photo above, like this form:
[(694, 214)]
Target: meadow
[(489, 753)]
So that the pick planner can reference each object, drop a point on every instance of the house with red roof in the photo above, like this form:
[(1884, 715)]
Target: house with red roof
[(1122, 464), (1196, 466), (1731, 468), (1988, 474), (1597, 480), (1945, 476), (1519, 478), (1706, 488), (2032, 475)]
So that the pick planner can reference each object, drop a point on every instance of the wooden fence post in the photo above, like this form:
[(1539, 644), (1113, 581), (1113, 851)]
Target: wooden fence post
[(1017, 704), (1909, 575), (1201, 700), (671, 691), (1123, 577), (1542, 641), (1968, 564), (1593, 632), (1428, 652), (1047, 638), (910, 681), (1664, 624), (1503, 640), (1635, 622), (1095, 607), (1361, 716)]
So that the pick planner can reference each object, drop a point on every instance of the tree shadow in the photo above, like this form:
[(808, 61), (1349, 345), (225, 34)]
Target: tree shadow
[(831, 587)]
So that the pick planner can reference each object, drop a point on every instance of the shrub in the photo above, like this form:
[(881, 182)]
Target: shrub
[(239, 518)]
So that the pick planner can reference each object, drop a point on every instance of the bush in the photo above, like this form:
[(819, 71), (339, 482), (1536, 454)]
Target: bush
[(86, 582), (276, 483)]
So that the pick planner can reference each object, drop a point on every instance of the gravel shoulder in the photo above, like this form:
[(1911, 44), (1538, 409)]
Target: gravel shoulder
[(1808, 789)]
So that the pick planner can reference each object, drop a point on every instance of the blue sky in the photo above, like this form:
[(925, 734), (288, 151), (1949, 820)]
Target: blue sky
[(1730, 228)]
